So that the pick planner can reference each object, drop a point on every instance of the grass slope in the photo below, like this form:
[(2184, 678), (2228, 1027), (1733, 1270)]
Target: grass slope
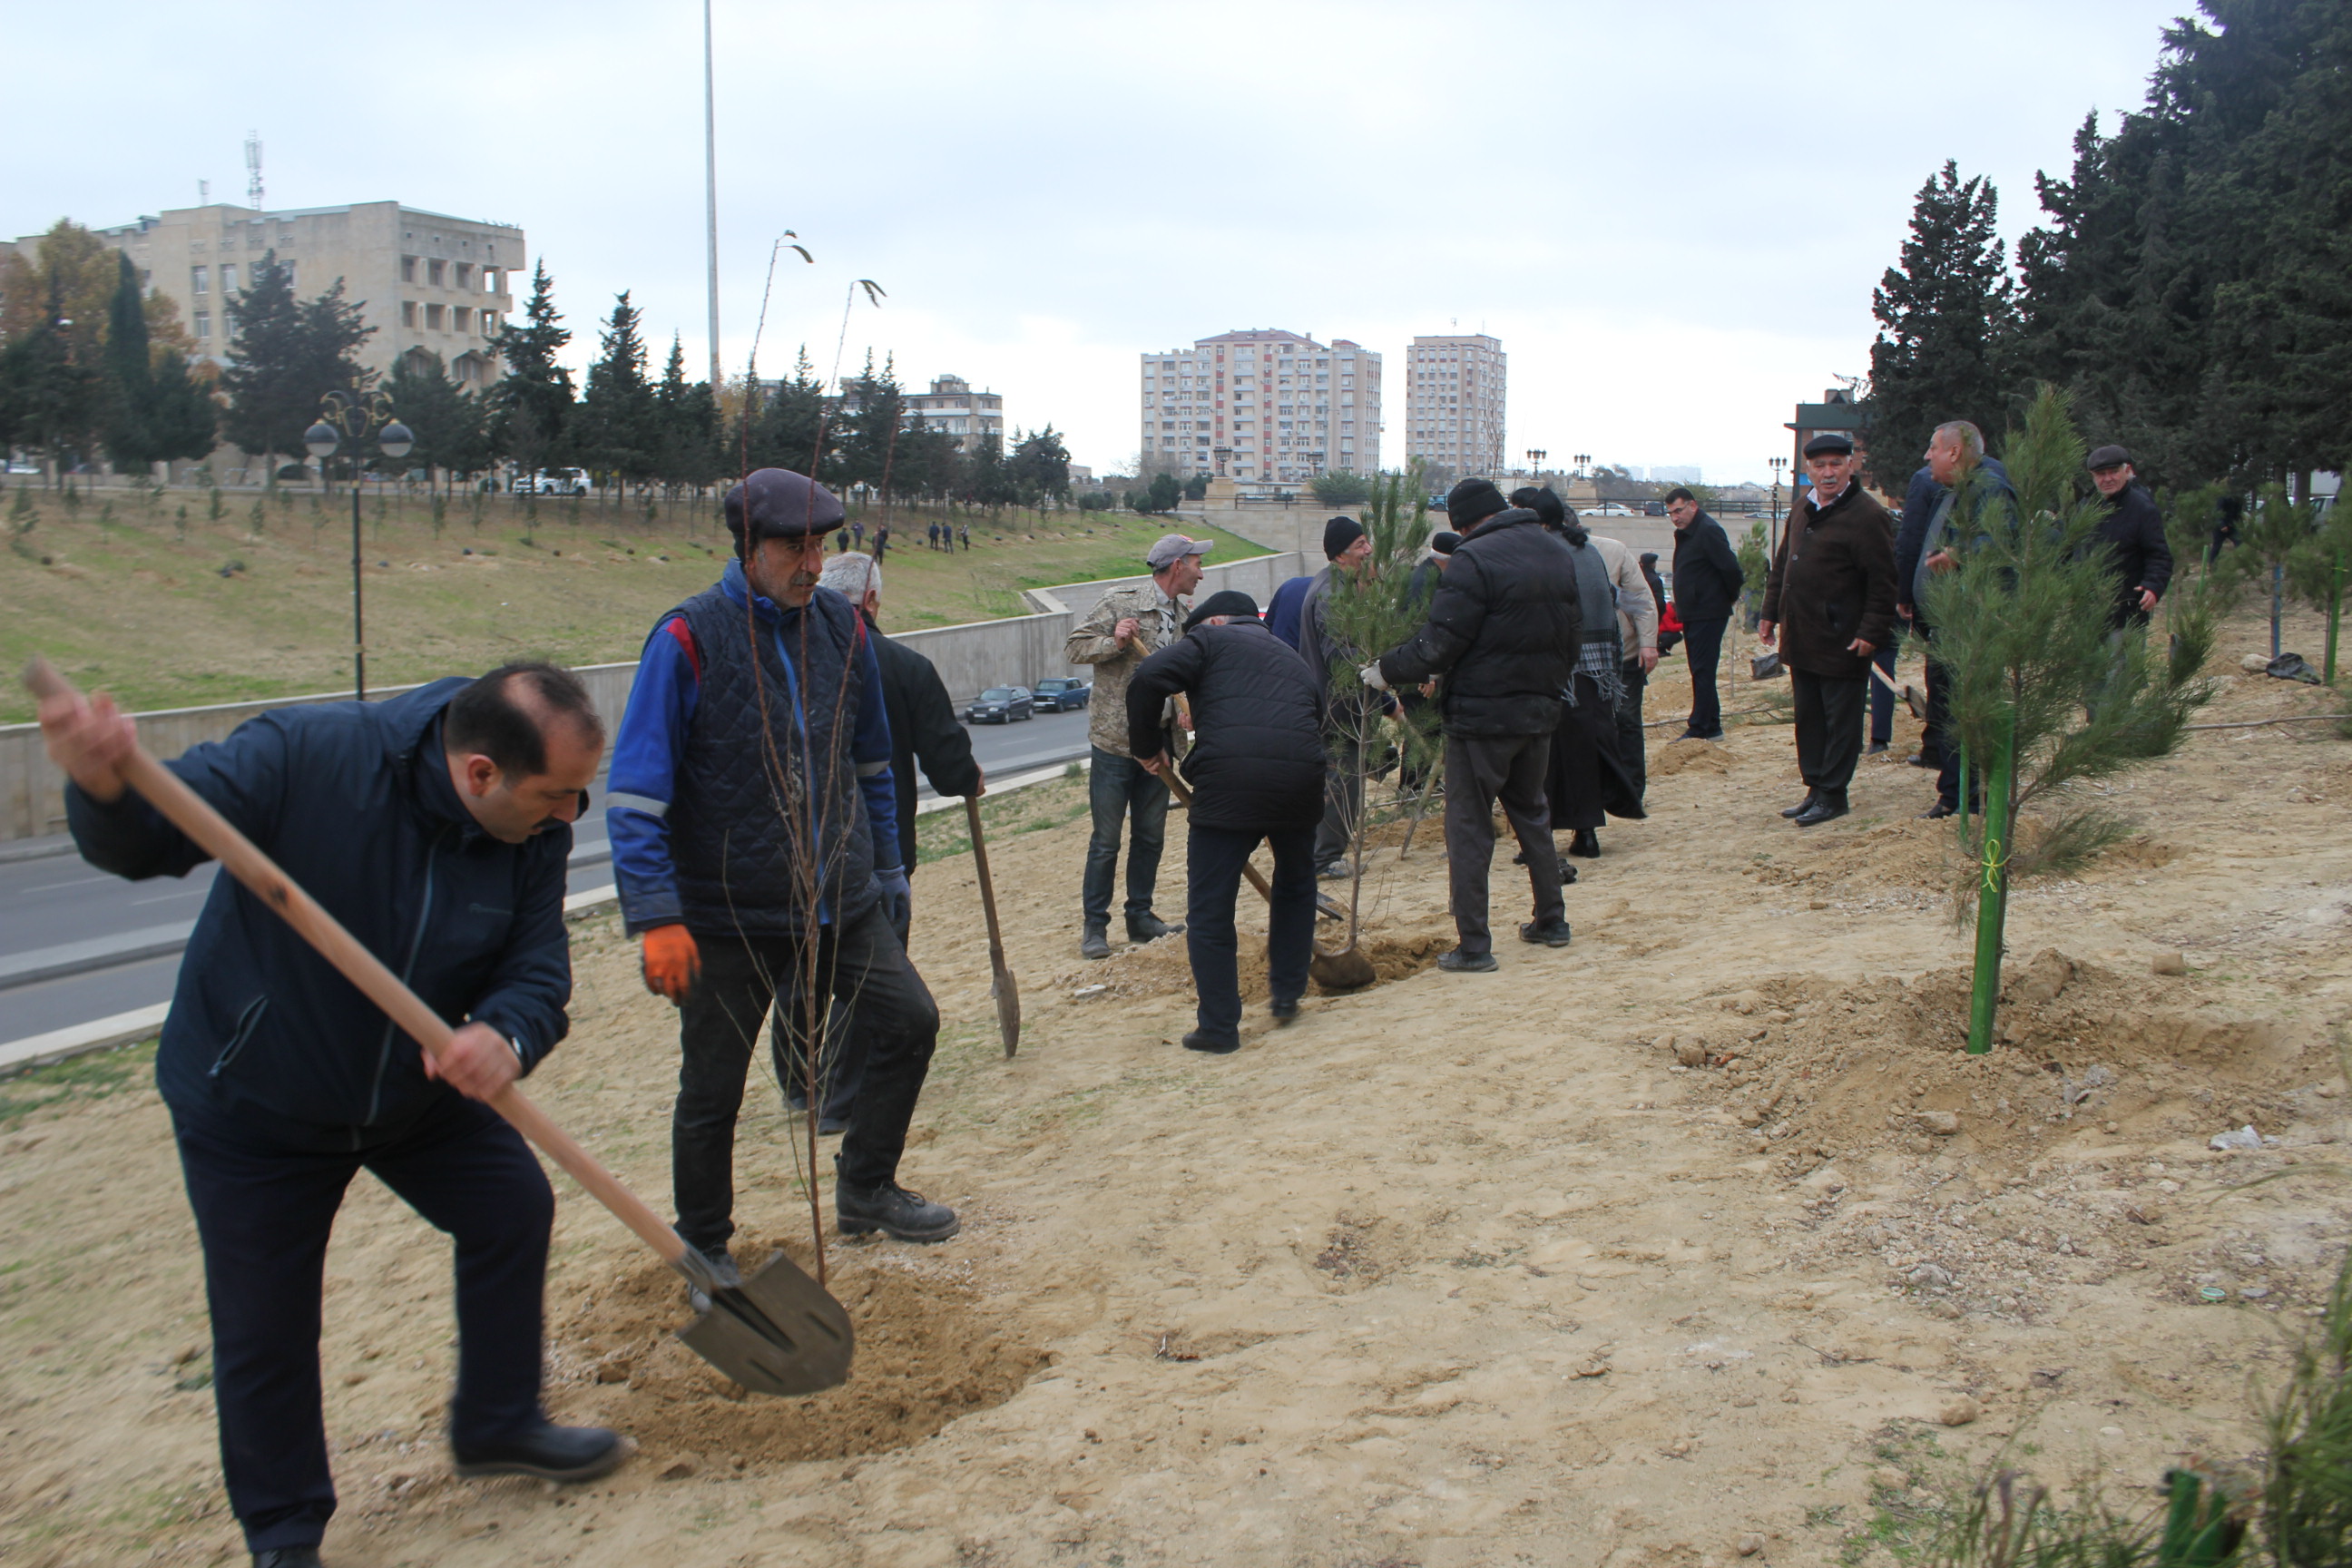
[(168, 612)]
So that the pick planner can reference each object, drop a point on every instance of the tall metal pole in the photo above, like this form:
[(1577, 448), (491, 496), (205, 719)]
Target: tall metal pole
[(710, 189), (359, 590)]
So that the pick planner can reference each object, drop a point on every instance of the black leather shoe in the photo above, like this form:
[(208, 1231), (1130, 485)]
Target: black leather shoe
[(1461, 963), (1586, 844), (1214, 1044), (288, 1557), (1875, 749), (1813, 798), (1545, 933), (1149, 926), (1938, 812), (552, 1452), (892, 1210), (1827, 808), (1096, 942), (1283, 1008)]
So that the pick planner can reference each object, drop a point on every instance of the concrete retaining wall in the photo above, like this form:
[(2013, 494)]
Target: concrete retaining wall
[(1014, 652)]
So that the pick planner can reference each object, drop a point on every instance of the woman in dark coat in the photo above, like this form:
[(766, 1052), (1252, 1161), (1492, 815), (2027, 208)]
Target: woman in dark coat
[(1587, 780)]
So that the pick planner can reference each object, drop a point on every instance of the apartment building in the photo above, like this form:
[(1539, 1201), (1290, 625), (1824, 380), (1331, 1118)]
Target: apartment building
[(953, 406), (424, 281), (1453, 402), (1265, 406)]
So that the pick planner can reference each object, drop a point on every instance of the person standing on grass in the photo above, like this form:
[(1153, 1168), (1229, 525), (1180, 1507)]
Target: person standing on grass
[(923, 730), (753, 819), (963, 532), (1126, 627), (1256, 777), (1828, 601), (1707, 584), (1503, 630), (434, 826)]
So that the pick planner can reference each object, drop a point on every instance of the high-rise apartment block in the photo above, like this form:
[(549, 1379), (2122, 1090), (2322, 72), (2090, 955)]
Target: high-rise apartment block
[(1453, 402), (424, 281), (1263, 406), (953, 408)]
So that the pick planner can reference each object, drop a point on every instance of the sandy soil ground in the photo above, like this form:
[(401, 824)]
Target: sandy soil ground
[(1669, 1248)]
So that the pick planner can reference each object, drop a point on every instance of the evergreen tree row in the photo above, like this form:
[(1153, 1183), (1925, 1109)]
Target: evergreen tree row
[(2191, 284)]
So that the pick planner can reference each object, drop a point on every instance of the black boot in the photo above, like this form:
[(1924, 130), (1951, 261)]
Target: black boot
[(1096, 943), (1149, 926), (288, 1557), (1828, 806), (1812, 797), (1586, 845), (893, 1210), (552, 1452)]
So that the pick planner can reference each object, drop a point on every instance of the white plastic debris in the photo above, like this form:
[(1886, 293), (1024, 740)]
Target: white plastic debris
[(2243, 1137)]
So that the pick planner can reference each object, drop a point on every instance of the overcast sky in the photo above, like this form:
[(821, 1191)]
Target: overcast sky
[(1671, 214)]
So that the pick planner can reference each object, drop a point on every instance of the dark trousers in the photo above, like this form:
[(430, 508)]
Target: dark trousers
[(1479, 771), (1214, 858), (1938, 741), (1882, 694), (1829, 728), (858, 966), (1632, 740), (1122, 795), (1703, 645), (265, 1192), (841, 1065), (1343, 795)]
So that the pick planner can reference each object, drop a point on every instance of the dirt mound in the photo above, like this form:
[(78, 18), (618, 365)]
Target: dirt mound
[(1821, 1071), (1689, 757), (927, 1353), (1906, 853), (1161, 969)]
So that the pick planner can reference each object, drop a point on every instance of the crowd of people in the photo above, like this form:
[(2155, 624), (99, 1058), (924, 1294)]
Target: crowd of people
[(760, 805)]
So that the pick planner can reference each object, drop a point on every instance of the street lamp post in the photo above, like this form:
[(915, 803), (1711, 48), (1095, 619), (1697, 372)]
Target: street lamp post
[(352, 417), (1536, 455), (1778, 464)]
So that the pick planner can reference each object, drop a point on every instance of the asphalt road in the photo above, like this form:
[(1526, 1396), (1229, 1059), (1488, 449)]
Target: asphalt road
[(50, 907)]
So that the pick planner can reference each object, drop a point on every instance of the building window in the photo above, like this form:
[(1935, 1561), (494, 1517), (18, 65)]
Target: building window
[(465, 275), (437, 272), (408, 312), (200, 279), (433, 314), (228, 277), (489, 280), (203, 323), (408, 269)]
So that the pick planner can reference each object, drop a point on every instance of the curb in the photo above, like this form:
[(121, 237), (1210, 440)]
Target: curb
[(97, 1035)]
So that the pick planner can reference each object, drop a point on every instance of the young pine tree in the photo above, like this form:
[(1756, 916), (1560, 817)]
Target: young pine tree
[(2044, 698)]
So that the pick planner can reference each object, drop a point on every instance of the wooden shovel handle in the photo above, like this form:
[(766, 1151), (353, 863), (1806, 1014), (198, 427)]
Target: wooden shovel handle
[(189, 812)]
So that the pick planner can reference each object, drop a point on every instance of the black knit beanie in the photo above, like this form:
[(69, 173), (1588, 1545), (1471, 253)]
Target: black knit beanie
[(1337, 534), (1472, 502)]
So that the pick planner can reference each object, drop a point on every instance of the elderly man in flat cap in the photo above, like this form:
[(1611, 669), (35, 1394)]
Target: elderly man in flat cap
[(1828, 601), (2133, 532), (1126, 627)]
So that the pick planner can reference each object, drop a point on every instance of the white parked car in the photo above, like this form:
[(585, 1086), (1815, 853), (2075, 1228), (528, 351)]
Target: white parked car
[(1615, 510), (557, 482)]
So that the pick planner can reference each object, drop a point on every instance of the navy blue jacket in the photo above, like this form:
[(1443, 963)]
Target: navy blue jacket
[(354, 800), (1708, 577)]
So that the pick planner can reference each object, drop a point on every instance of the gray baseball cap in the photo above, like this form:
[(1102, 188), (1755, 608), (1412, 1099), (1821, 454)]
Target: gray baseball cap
[(1173, 547)]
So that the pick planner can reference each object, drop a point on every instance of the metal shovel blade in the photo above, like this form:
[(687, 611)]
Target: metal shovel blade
[(779, 1332), (1008, 1011)]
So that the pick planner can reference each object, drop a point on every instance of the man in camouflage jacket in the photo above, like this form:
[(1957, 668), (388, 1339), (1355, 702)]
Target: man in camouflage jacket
[(1125, 628)]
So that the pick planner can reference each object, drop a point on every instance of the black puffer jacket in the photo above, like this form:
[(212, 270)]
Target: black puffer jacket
[(1256, 765), (1503, 629), (2133, 532), (1707, 574)]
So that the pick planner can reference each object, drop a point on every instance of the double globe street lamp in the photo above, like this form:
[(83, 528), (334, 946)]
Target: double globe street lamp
[(353, 417)]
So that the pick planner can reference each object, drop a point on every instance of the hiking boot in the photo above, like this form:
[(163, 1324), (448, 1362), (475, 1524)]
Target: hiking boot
[(1829, 807), (1552, 933), (1461, 963), (1283, 1008), (723, 1269), (1938, 812), (892, 1210), (1214, 1044), (1586, 844), (288, 1557), (1096, 943), (1149, 926), (1813, 798), (552, 1452)]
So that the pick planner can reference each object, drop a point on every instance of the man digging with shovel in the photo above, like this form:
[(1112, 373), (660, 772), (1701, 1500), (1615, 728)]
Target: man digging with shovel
[(434, 827), (755, 844)]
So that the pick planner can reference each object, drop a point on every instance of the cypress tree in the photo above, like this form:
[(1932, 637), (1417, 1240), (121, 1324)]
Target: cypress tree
[(613, 432), (790, 427), (286, 354), (1944, 320), (531, 405)]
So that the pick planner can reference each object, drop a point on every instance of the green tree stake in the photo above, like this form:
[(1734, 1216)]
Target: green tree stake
[(1993, 895)]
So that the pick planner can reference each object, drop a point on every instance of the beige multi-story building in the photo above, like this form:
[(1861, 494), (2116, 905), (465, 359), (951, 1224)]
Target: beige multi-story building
[(953, 408), (1453, 402), (422, 281), (1262, 406)]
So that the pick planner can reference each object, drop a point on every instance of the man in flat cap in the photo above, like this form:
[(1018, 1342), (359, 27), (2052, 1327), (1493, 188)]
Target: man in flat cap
[(2133, 533), (1126, 627), (1828, 601), (753, 818), (1352, 722), (1256, 777)]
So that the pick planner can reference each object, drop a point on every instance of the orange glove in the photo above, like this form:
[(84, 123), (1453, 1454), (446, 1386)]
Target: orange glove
[(673, 963)]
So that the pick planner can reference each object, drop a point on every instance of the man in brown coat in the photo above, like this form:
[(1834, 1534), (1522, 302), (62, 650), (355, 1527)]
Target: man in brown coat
[(1829, 599)]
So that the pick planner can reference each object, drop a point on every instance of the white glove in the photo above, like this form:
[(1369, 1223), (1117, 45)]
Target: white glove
[(1373, 677)]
